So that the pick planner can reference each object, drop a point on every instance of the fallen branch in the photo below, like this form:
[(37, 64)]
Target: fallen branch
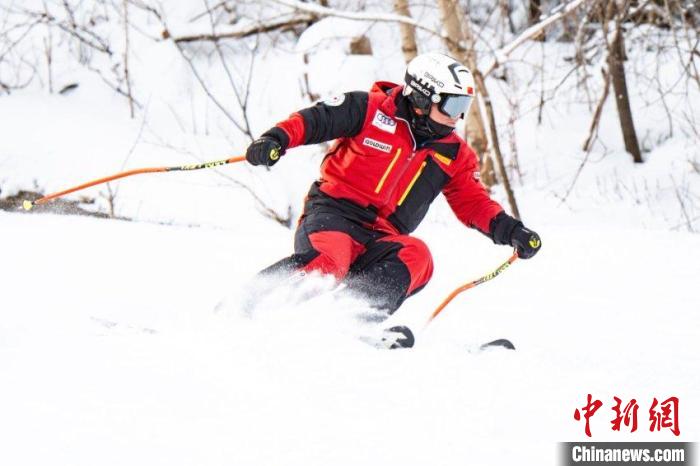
[(241, 32), (322, 12)]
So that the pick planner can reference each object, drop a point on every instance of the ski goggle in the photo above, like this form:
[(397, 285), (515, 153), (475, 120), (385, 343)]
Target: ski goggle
[(454, 105)]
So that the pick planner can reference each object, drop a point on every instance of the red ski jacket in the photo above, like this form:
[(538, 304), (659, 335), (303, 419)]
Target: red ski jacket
[(377, 164)]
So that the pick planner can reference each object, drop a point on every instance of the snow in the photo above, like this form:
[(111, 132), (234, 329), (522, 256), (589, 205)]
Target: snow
[(112, 350), (331, 28), (126, 342)]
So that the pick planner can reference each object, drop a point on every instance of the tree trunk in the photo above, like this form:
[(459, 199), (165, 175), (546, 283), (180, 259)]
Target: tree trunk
[(457, 26), (495, 143), (534, 11), (408, 32), (476, 137), (475, 133), (616, 57), (533, 17)]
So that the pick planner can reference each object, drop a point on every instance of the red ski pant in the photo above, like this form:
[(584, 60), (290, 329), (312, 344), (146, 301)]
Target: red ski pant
[(384, 268), (338, 251)]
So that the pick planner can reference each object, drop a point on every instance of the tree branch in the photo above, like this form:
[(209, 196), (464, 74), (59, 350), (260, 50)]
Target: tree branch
[(501, 55), (241, 32), (205, 88), (322, 12), (593, 131)]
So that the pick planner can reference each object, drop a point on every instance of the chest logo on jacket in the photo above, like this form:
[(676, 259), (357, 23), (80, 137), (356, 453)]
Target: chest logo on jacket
[(384, 122), (382, 146)]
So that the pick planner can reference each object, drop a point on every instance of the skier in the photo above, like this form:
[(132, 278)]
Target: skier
[(395, 151)]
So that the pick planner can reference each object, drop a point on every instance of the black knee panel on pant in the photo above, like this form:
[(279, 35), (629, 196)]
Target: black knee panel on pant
[(380, 276)]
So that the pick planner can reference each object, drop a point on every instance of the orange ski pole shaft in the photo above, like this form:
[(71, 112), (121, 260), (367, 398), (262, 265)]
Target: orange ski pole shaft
[(465, 287), (29, 204)]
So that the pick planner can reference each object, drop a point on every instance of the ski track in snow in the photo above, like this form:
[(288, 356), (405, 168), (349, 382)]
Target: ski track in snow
[(113, 350)]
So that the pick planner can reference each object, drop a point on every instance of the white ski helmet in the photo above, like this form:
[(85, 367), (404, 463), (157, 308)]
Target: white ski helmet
[(435, 78)]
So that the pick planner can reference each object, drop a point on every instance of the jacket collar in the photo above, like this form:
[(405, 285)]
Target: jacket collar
[(397, 104)]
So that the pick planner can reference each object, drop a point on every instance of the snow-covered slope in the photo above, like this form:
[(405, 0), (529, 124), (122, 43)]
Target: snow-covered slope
[(112, 351)]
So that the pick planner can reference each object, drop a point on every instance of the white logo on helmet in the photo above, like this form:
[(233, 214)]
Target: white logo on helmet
[(419, 88), (440, 74), (433, 79)]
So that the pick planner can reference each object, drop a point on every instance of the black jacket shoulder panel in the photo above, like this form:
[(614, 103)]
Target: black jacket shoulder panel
[(447, 149), (340, 116)]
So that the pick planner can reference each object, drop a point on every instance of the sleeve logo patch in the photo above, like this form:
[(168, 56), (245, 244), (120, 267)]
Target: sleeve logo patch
[(477, 175), (335, 100), (377, 145), (383, 122)]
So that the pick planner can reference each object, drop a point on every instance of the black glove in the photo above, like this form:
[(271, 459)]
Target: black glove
[(266, 150), (508, 230), (525, 241)]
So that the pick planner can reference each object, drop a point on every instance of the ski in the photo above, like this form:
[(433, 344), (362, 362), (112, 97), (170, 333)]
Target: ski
[(401, 337), (500, 343)]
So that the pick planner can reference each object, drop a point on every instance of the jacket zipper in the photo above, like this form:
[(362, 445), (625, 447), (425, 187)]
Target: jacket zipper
[(387, 171), (407, 164), (413, 181)]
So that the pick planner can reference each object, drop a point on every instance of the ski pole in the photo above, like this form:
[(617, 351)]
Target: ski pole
[(479, 281), (28, 205)]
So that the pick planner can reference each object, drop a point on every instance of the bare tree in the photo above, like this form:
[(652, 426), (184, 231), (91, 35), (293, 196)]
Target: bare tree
[(10, 39), (464, 50), (408, 32), (130, 96), (79, 26), (618, 10), (457, 24)]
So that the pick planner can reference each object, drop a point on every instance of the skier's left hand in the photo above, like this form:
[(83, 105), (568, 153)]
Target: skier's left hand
[(525, 241)]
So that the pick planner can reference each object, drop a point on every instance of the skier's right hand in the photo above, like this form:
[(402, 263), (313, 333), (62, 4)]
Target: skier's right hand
[(266, 150)]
